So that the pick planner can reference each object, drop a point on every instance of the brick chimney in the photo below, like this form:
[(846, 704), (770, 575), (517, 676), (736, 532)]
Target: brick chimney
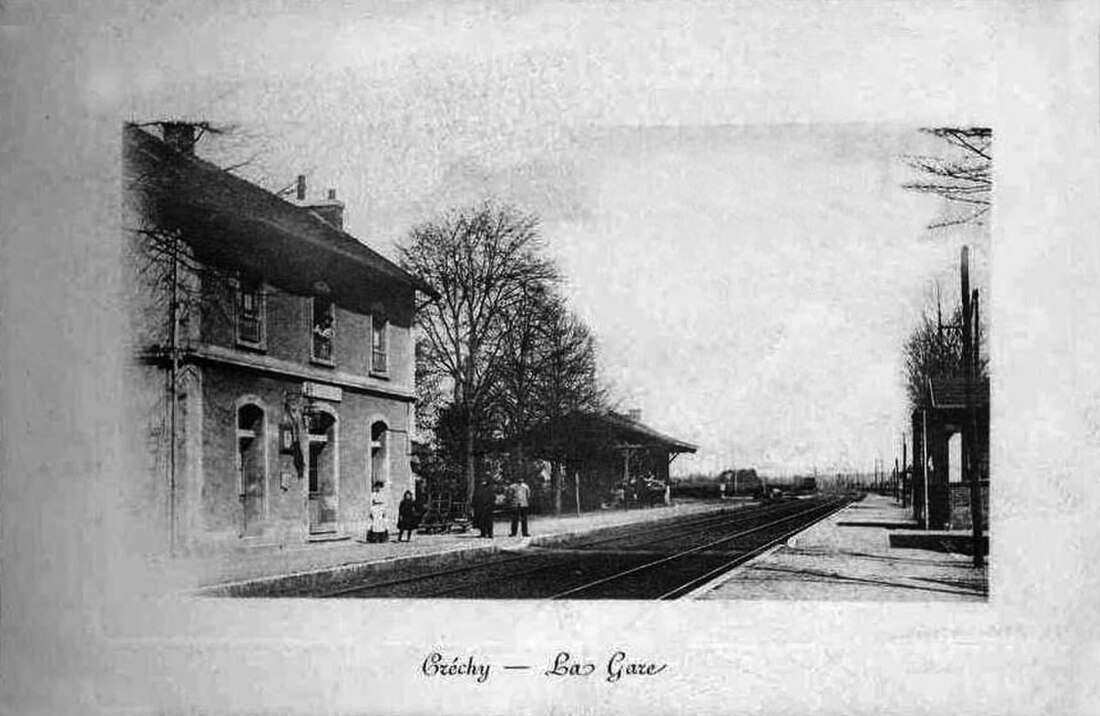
[(179, 136), (330, 209), (635, 414)]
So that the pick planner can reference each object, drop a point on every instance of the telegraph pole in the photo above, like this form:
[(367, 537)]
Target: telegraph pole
[(173, 396), (969, 361), (904, 466)]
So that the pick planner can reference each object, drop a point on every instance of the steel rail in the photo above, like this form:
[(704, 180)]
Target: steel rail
[(573, 558), (826, 509), (700, 523), (744, 557)]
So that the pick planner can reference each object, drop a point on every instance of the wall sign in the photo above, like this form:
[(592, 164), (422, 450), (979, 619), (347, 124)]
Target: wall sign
[(320, 391)]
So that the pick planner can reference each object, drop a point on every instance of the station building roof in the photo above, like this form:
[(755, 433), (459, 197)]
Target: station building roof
[(229, 221)]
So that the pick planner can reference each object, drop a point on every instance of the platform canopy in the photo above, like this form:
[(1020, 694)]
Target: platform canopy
[(950, 393), (580, 435)]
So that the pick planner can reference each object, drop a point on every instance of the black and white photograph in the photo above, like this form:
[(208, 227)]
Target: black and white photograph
[(551, 358), (324, 421)]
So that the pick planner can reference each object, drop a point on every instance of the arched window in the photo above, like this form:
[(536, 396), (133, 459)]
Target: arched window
[(379, 453), (954, 458), (251, 466)]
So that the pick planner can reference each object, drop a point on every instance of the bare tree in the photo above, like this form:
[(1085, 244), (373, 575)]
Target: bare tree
[(963, 175), (548, 370), (935, 350), (482, 260), (522, 359), (163, 262), (568, 380), (173, 288)]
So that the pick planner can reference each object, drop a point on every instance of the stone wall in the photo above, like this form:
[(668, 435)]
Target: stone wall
[(959, 499)]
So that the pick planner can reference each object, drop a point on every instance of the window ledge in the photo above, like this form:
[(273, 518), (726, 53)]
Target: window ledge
[(380, 374), (328, 363), (260, 347)]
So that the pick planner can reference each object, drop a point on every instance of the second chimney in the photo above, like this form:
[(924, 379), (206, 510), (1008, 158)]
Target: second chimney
[(179, 136), (330, 209)]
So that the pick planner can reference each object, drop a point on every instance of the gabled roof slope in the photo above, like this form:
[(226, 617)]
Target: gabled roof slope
[(581, 433), (233, 222), (951, 393)]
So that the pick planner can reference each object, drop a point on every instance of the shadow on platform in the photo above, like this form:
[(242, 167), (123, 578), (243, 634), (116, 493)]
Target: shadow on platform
[(969, 587), (893, 559), (883, 525), (938, 542)]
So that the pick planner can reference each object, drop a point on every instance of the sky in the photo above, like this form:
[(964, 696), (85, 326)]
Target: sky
[(725, 202)]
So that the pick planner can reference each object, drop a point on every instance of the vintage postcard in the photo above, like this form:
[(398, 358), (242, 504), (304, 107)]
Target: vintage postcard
[(551, 358)]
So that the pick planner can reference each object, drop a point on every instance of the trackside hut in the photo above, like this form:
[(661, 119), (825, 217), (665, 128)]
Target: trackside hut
[(288, 343), (935, 498), (599, 451)]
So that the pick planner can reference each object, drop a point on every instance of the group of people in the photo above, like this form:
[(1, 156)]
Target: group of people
[(517, 500), (408, 517), (409, 513)]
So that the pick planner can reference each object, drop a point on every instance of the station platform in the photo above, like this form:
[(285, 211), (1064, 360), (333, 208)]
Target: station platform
[(870, 550), (260, 570)]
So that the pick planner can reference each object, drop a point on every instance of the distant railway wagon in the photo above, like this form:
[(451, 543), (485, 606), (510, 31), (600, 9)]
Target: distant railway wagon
[(803, 485), (741, 482)]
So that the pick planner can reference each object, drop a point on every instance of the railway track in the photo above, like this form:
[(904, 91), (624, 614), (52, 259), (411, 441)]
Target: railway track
[(676, 575), (621, 537), (663, 561)]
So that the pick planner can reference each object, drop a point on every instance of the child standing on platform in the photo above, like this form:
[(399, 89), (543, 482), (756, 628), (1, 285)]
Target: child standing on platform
[(408, 516)]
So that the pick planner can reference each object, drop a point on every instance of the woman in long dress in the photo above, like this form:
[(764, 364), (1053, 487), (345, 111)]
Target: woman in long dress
[(408, 516), (378, 529)]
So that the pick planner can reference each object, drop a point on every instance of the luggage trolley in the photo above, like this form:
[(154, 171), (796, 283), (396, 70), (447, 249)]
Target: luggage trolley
[(445, 515)]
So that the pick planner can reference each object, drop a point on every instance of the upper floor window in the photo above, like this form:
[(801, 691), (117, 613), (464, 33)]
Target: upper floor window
[(250, 313), (378, 345), (323, 322)]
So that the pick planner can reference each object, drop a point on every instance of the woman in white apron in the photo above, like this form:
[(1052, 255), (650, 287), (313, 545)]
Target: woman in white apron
[(378, 529)]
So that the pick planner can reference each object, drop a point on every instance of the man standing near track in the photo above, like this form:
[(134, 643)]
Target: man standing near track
[(519, 495), (484, 502)]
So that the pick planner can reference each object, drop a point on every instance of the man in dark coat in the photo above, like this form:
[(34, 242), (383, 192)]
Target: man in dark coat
[(485, 500)]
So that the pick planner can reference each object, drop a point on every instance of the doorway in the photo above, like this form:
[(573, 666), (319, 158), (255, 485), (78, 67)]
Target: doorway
[(379, 454), (322, 473), (954, 458), (251, 467)]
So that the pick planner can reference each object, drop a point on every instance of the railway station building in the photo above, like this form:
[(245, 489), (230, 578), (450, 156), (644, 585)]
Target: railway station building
[(273, 380), (940, 428), (600, 453)]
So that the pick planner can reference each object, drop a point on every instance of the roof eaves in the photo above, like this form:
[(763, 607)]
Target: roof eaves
[(628, 424), (331, 238)]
